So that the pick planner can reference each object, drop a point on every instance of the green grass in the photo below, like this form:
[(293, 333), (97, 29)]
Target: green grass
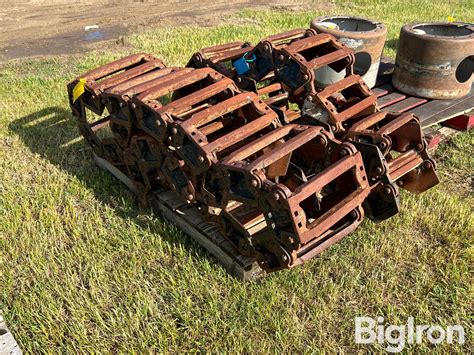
[(82, 269)]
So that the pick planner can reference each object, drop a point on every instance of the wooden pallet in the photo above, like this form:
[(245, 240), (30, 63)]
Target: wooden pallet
[(8, 344), (185, 216), (430, 112)]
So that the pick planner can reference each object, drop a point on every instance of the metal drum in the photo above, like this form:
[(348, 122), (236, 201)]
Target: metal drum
[(365, 37), (435, 60)]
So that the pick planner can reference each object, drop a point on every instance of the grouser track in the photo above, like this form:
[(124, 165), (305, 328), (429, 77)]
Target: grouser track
[(284, 165)]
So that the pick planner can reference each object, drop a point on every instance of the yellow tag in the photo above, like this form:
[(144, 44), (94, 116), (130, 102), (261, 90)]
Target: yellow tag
[(78, 90), (451, 19)]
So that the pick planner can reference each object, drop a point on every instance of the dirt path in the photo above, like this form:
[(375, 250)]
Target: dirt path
[(48, 27)]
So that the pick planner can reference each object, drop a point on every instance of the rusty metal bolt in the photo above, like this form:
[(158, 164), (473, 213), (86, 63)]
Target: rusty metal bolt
[(190, 197), (419, 146), (427, 165), (382, 145), (344, 152), (353, 214), (322, 141), (400, 182)]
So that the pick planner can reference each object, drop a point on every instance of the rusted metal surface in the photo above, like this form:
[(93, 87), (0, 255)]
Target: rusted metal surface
[(282, 165), (154, 113), (299, 63), (310, 182), (435, 60), (220, 57), (365, 37), (116, 100), (202, 139), (342, 103), (97, 81), (395, 154)]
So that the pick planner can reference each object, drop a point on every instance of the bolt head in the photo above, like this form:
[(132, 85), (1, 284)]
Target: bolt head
[(388, 190), (419, 146), (427, 165), (276, 196), (281, 57), (190, 197), (309, 98), (174, 130), (378, 170), (201, 159), (254, 183)]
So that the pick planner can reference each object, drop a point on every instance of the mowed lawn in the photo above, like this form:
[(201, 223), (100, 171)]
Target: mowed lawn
[(83, 269)]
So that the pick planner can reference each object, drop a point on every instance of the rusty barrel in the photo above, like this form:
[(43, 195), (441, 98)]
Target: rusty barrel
[(365, 37), (435, 60)]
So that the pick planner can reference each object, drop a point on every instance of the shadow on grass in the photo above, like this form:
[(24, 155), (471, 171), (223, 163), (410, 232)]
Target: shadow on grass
[(52, 133), (392, 44)]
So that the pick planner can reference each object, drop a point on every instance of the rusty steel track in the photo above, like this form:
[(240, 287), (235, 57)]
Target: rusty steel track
[(282, 163)]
